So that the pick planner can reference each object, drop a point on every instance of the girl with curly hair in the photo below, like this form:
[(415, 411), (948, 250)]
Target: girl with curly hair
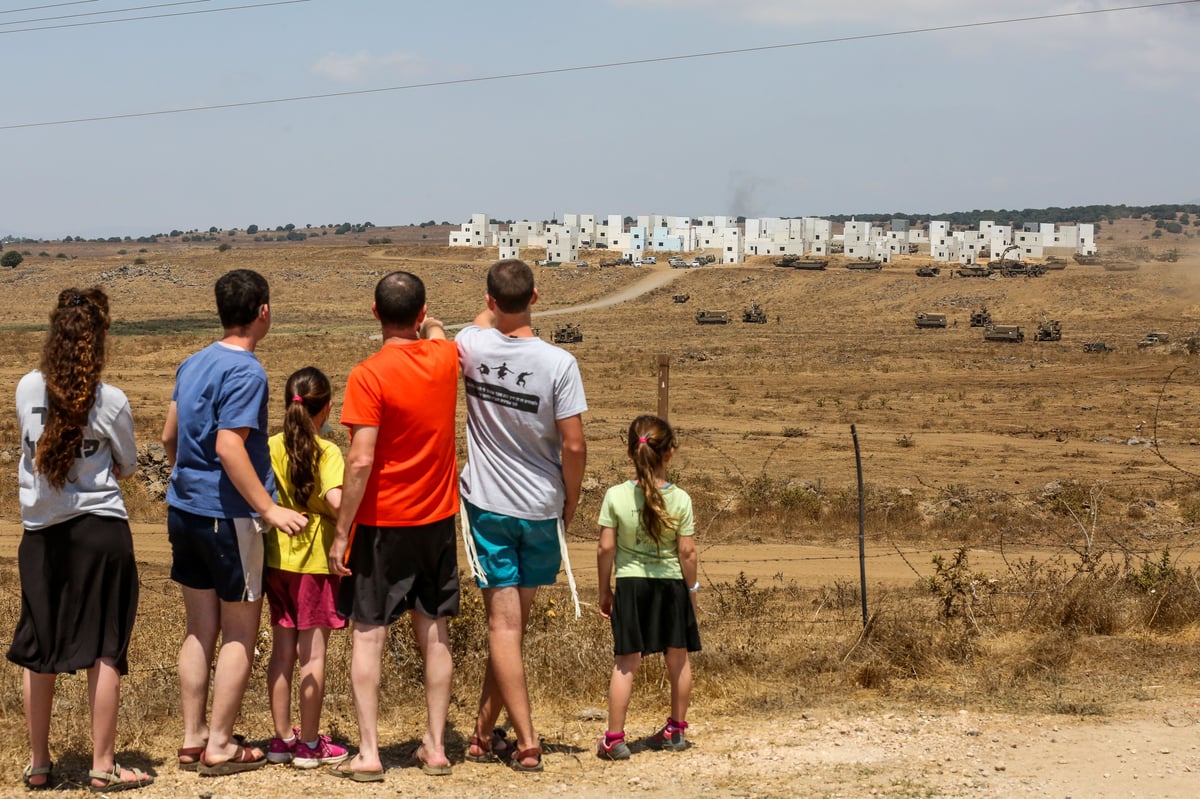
[(79, 581)]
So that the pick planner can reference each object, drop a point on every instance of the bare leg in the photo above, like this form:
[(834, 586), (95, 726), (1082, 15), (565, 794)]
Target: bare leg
[(279, 678), (311, 649), (504, 681), (368, 640), (620, 688), (239, 630), (104, 697), (433, 637), (202, 610), (38, 694), (679, 670)]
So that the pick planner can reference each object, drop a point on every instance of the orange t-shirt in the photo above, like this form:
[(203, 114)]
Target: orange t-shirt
[(408, 391)]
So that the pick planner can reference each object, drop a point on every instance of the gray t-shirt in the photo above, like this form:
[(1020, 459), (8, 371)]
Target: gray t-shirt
[(517, 389), (91, 487)]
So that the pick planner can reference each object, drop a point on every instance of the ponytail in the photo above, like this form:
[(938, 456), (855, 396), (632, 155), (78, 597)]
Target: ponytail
[(306, 394), (650, 441), (72, 360)]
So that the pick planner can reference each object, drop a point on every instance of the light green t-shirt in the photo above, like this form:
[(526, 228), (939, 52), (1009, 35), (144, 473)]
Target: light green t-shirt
[(637, 555), (306, 552)]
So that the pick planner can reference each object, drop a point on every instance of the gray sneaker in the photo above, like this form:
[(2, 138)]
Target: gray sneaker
[(617, 750), (675, 742)]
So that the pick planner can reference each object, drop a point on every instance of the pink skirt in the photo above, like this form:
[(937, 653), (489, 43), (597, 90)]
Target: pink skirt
[(303, 601)]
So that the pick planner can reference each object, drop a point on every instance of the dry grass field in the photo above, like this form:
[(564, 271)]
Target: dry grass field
[(1030, 516)]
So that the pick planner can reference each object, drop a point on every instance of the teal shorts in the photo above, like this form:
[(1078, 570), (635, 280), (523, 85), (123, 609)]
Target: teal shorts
[(514, 552)]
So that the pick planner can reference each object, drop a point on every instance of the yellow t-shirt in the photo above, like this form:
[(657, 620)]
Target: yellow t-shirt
[(306, 552)]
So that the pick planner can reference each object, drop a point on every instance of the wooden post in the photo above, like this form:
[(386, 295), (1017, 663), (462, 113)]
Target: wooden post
[(664, 386)]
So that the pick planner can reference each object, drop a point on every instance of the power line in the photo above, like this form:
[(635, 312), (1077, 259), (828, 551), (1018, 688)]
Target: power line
[(579, 68), (52, 5), (160, 16), (101, 13)]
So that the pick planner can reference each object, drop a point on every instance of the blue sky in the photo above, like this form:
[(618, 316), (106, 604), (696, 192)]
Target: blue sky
[(1089, 109)]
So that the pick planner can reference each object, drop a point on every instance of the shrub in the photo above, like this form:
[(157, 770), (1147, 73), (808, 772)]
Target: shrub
[(11, 259)]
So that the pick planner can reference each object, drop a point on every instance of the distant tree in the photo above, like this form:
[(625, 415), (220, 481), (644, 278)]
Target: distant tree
[(176, 233), (251, 229), (213, 229), (289, 227), (1174, 227), (11, 259), (225, 247)]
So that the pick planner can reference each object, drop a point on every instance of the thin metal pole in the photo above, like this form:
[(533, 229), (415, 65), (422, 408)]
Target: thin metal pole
[(862, 536), (664, 386)]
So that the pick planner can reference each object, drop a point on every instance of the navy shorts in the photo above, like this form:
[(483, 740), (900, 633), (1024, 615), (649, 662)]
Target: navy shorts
[(395, 569), (222, 555)]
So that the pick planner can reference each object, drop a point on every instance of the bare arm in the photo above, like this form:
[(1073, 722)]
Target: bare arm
[(486, 318), (333, 498), (231, 449), (689, 562), (605, 553), (574, 459), (359, 462), (170, 434), (432, 328)]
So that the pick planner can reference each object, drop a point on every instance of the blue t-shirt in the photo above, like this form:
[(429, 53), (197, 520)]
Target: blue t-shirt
[(218, 388)]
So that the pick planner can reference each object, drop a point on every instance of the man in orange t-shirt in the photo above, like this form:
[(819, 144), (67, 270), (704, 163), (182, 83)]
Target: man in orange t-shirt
[(395, 547)]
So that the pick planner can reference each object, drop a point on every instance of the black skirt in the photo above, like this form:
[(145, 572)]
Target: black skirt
[(651, 615), (79, 595)]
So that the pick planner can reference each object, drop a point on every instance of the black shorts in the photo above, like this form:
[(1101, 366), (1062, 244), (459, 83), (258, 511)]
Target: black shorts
[(394, 569), (221, 555), (651, 615)]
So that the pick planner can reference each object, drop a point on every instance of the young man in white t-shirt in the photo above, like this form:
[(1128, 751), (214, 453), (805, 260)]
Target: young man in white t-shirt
[(526, 456)]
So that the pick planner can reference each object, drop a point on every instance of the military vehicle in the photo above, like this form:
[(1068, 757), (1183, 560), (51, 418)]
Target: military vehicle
[(712, 317), (682, 297), (754, 314), (796, 262), (1003, 333), (1055, 262), (931, 319), (1153, 339), (1120, 266), (1048, 330), (981, 318), (973, 270), (865, 265), (928, 271), (1088, 260), (1098, 346), (567, 334)]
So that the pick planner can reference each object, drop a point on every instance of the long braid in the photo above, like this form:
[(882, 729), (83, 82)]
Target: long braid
[(306, 395), (650, 440), (72, 360)]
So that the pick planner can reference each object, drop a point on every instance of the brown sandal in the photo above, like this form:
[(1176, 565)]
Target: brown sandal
[(189, 756), (533, 751), (496, 748)]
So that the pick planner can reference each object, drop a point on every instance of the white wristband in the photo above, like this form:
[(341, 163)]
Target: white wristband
[(695, 589)]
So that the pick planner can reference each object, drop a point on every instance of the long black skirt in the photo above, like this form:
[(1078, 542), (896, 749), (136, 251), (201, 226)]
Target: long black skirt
[(651, 615), (79, 595)]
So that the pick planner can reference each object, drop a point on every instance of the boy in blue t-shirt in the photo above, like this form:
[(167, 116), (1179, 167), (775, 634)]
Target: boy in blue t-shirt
[(220, 498)]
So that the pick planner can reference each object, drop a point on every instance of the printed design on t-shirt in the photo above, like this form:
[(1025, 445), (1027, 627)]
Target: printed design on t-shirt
[(87, 448), (501, 395)]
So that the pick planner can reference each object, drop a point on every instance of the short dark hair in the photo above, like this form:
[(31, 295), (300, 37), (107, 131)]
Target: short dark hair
[(510, 284), (240, 295), (399, 298)]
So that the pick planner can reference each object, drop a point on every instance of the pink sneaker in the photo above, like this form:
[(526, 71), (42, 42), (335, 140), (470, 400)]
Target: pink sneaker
[(324, 753), (281, 751)]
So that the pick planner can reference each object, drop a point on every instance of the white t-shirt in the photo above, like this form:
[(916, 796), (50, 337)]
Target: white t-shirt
[(517, 390), (91, 487)]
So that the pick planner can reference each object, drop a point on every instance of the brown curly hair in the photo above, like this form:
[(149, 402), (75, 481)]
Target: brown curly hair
[(72, 360)]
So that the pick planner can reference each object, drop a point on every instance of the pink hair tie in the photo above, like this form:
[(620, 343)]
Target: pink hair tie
[(297, 398), (641, 439)]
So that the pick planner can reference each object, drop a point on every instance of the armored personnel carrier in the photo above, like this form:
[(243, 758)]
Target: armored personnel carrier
[(1048, 330), (928, 271), (712, 317), (981, 318), (931, 319), (681, 297), (1003, 333)]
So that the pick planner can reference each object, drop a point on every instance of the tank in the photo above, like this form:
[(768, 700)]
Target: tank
[(681, 297), (567, 334), (754, 314), (712, 317), (981, 318)]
